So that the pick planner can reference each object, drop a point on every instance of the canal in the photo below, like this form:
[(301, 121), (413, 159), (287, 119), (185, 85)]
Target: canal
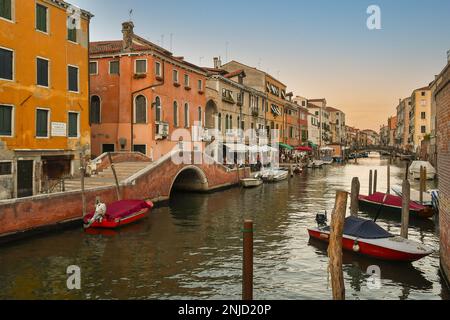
[(192, 249)]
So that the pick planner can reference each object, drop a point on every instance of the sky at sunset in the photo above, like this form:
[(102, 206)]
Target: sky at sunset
[(318, 48)]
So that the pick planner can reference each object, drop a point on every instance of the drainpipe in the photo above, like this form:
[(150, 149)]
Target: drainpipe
[(132, 102)]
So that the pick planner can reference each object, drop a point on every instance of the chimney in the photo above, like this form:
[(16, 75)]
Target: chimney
[(217, 63), (128, 32)]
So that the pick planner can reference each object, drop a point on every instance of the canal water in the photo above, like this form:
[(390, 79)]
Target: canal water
[(193, 249)]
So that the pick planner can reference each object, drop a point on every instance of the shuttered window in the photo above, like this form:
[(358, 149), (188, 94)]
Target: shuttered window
[(73, 125), (41, 123), (141, 109), (114, 67), (5, 168), (175, 114), (6, 64), (141, 66), (5, 120), (72, 34), (6, 9), (73, 78), (41, 18), (186, 115), (95, 110), (93, 68), (42, 72), (158, 110)]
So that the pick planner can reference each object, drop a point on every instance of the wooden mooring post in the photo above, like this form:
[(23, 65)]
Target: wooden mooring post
[(389, 179), (421, 187), (335, 246), (406, 191), (354, 204), (83, 195), (370, 182), (116, 180), (247, 266), (375, 181)]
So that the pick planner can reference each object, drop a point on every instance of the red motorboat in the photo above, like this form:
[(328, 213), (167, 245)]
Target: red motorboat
[(117, 214), (365, 237), (395, 202)]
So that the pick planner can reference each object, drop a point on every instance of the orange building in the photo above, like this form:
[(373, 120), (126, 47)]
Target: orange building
[(141, 94), (44, 94)]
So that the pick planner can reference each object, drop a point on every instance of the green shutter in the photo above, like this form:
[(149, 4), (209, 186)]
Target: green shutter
[(5, 9), (42, 123), (73, 79), (42, 72), (72, 34), (73, 125), (41, 18), (6, 64), (5, 120)]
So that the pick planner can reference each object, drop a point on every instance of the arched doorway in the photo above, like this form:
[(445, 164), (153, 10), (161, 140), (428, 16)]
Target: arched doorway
[(190, 178), (211, 115)]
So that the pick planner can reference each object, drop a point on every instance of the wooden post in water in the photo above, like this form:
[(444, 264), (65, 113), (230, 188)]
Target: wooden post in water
[(354, 205), (407, 171), (247, 267), (335, 246), (421, 189), (375, 181), (370, 182), (424, 179), (115, 177), (389, 179), (406, 190), (83, 195)]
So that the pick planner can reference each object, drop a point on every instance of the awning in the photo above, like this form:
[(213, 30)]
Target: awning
[(286, 146), (237, 147), (305, 149)]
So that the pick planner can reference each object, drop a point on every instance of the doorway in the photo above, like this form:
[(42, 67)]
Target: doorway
[(24, 178)]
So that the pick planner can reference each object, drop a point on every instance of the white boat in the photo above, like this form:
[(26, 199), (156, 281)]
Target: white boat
[(414, 170), (274, 175), (251, 182), (414, 195), (327, 161), (316, 164)]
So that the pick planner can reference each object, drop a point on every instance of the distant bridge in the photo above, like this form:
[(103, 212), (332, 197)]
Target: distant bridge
[(379, 148)]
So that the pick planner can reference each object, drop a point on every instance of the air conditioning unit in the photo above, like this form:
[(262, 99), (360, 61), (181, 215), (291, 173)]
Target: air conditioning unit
[(162, 130)]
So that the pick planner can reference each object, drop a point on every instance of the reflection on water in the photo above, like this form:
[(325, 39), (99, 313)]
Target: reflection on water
[(192, 249)]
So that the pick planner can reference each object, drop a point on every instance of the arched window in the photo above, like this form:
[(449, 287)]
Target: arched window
[(238, 122), (94, 115), (226, 123), (231, 123), (158, 109), (175, 113), (140, 109), (220, 122), (200, 116), (186, 115)]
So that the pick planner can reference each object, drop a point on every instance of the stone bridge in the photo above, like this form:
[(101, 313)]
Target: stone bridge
[(379, 148), (154, 182)]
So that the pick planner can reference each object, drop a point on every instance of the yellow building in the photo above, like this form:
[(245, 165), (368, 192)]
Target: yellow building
[(44, 94), (420, 116)]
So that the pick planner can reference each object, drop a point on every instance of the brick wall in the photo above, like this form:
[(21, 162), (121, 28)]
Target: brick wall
[(443, 145)]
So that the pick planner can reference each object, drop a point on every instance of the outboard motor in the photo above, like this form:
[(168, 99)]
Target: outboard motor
[(321, 219)]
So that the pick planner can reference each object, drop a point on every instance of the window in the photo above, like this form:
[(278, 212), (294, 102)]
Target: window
[(41, 18), (200, 115), (423, 115), (42, 72), (6, 120), (140, 112), (142, 148), (220, 122), (423, 93), (6, 64), (200, 85), (158, 69), (6, 9), (73, 125), (423, 103), (227, 125), (158, 109), (424, 129), (93, 68), (141, 66), (175, 76), (186, 80), (71, 31), (291, 132), (5, 168), (42, 123), (175, 114), (94, 114), (114, 67), (108, 148), (73, 78), (186, 115)]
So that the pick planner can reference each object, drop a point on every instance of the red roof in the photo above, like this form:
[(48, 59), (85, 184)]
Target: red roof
[(234, 73), (114, 46)]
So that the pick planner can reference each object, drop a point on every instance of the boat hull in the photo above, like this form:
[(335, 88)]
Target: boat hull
[(399, 250), (251, 183)]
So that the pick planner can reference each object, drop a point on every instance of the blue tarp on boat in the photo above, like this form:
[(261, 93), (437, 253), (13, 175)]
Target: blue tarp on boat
[(362, 228)]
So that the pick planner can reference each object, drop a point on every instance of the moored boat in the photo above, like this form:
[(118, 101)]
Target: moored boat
[(414, 170), (395, 202), (315, 164), (117, 214), (365, 237), (251, 182), (274, 175), (415, 195)]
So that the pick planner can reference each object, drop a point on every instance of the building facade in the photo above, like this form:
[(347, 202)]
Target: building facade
[(337, 125), (402, 134), (419, 117), (143, 98), (384, 135), (313, 129), (392, 127), (318, 107), (44, 99)]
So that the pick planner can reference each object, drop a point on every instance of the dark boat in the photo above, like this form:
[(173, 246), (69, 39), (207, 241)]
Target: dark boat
[(393, 202)]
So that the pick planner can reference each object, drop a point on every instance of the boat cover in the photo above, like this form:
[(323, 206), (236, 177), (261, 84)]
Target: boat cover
[(363, 228), (390, 200), (122, 209)]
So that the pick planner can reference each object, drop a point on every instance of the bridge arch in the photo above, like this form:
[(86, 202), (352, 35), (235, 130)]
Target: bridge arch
[(190, 178)]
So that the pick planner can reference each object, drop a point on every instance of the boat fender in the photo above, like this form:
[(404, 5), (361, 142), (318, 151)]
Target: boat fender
[(356, 247)]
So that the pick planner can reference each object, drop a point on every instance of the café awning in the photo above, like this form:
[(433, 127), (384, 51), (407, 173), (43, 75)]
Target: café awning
[(304, 149), (286, 146)]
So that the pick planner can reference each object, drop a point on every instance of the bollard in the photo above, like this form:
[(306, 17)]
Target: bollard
[(375, 181), (247, 268), (406, 190), (335, 246), (421, 189), (389, 179), (370, 182), (354, 206)]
